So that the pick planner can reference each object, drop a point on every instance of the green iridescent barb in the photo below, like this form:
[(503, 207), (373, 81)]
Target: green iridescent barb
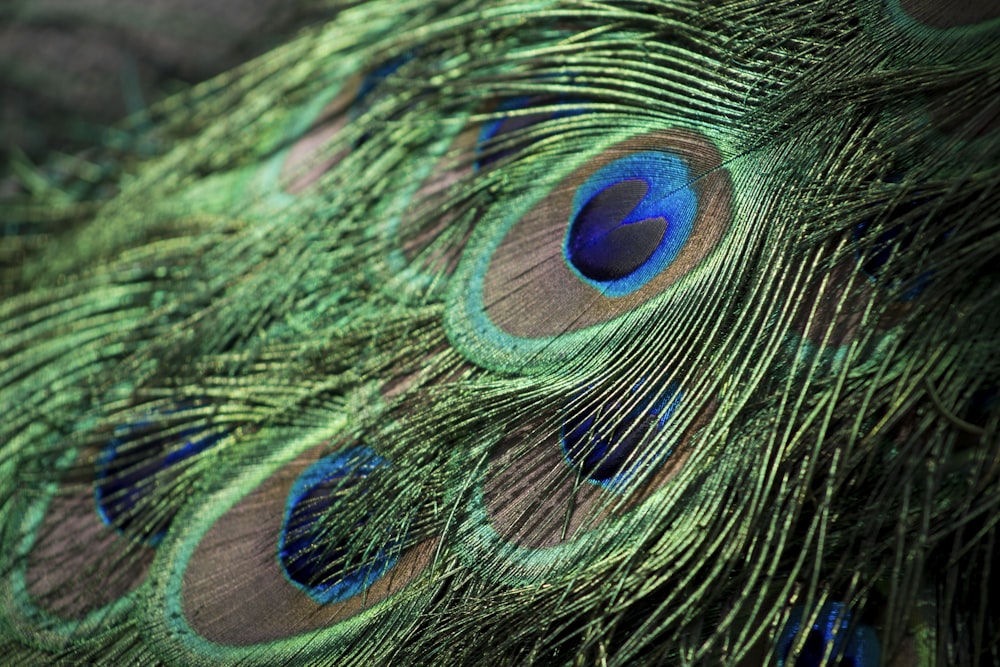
[(521, 332)]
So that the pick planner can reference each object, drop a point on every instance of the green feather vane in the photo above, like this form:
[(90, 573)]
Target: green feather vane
[(555, 332)]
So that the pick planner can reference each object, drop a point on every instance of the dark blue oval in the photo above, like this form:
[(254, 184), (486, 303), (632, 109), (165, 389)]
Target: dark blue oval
[(321, 564), (850, 644), (610, 448), (138, 463)]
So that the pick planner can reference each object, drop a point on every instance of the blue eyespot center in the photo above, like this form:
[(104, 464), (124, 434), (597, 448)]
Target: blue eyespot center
[(888, 243), (380, 74), (629, 221), (371, 82), (136, 465), (494, 131), (315, 550), (603, 247), (845, 644), (904, 221), (611, 448)]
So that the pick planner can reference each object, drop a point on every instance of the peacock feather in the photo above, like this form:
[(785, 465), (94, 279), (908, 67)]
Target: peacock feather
[(518, 332)]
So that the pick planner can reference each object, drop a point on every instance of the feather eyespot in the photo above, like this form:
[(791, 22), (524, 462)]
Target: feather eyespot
[(556, 491), (72, 569), (834, 640), (427, 233), (88, 544), (311, 156), (941, 14), (932, 30), (335, 560), (884, 243), (320, 564), (633, 222), (887, 244)]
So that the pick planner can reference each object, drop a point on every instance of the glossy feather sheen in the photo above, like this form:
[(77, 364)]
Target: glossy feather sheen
[(524, 332)]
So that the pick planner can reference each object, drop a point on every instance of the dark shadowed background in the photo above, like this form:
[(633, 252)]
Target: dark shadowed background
[(70, 67)]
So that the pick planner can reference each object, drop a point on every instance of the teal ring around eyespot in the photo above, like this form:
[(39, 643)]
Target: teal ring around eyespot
[(468, 322), (265, 179), (465, 317), (483, 549), (399, 275), (913, 41), (32, 624), (164, 625), (255, 186)]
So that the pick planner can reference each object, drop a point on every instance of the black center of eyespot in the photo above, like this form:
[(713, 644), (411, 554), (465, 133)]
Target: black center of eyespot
[(812, 650), (889, 242), (324, 547), (812, 653), (601, 246), (135, 471), (901, 224), (848, 644), (312, 557), (607, 444)]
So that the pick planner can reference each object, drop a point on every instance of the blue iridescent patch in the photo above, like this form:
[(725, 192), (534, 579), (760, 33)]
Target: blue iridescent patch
[(847, 644), (611, 448), (492, 132), (369, 83), (874, 254), (135, 464), (322, 564), (629, 221), (380, 74)]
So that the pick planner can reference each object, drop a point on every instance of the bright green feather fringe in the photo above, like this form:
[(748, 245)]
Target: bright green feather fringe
[(835, 441)]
